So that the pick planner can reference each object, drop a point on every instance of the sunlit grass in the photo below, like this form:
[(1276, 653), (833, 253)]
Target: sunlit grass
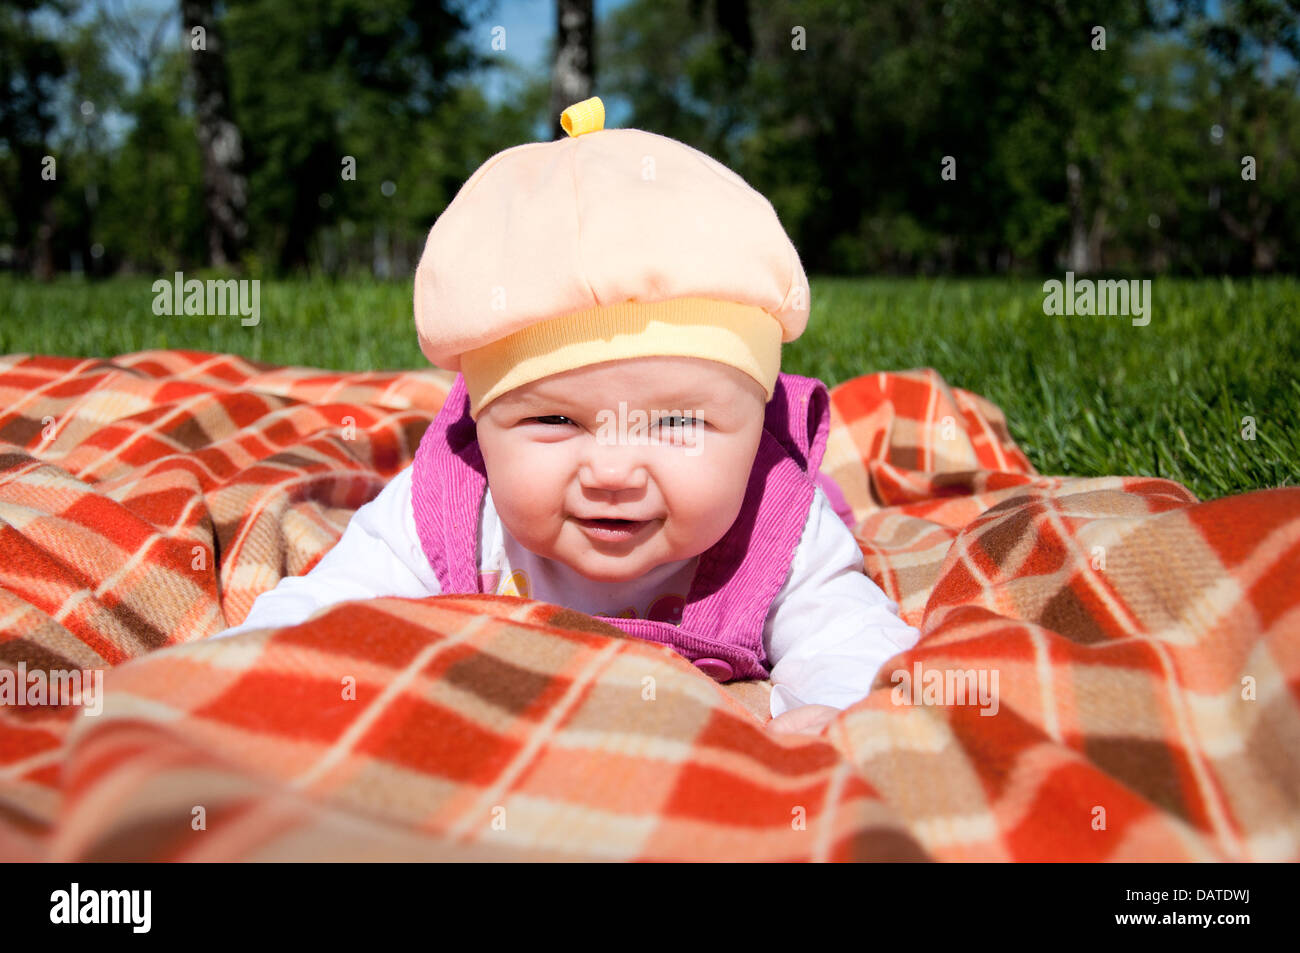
[(1084, 396)]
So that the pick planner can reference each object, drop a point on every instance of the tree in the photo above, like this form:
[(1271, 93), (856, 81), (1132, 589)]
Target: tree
[(1246, 38), (32, 63), (220, 142), (575, 58), (318, 82)]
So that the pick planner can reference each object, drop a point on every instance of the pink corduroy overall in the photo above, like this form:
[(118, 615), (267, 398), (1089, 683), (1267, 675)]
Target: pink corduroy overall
[(736, 579)]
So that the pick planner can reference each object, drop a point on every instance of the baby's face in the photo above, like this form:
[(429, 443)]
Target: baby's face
[(554, 461)]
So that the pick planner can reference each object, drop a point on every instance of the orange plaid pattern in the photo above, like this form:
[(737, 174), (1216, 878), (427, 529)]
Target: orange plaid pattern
[(1143, 646)]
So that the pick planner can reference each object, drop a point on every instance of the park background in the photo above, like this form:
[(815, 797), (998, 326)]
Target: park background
[(1154, 140)]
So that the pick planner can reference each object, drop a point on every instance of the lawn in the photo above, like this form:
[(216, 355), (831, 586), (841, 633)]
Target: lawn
[(1084, 396)]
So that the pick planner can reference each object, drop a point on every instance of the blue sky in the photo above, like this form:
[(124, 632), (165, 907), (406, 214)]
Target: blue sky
[(530, 29), (530, 26)]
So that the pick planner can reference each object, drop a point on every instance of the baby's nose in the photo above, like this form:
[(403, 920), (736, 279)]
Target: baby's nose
[(612, 468)]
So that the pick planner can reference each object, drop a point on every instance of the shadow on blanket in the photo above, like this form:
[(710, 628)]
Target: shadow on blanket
[(1109, 669)]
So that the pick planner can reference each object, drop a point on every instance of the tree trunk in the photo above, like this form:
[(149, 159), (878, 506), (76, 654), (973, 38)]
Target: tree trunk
[(575, 58), (224, 188), (1078, 260), (1096, 237), (43, 247), (1263, 250)]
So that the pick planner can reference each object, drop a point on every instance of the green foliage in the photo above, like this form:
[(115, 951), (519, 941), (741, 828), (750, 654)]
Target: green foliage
[(846, 136), (316, 82), (152, 211), (33, 67), (1066, 155), (384, 83)]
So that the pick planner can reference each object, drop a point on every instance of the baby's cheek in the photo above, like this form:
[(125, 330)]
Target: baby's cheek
[(533, 500), (523, 478), (710, 501)]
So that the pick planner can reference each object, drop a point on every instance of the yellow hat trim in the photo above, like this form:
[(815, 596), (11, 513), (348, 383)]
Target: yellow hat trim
[(743, 336)]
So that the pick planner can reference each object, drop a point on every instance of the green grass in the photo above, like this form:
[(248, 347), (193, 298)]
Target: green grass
[(1084, 396)]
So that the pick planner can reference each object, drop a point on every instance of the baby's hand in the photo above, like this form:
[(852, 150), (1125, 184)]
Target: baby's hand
[(808, 719)]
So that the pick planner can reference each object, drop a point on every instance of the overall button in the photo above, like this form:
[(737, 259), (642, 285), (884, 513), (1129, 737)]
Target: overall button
[(715, 668)]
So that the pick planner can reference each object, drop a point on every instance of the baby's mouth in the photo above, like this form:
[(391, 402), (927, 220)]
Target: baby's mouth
[(612, 529)]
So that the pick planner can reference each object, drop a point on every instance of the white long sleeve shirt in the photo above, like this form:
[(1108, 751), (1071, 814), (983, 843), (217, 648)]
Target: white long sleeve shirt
[(828, 632)]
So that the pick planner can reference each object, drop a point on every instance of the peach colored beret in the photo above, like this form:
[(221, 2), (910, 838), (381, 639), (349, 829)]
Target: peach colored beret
[(608, 244)]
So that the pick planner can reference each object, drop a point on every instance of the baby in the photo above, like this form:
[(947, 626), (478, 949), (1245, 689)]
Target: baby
[(620, 439)]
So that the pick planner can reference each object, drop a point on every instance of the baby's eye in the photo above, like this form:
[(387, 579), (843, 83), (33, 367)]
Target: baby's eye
[(552, 419), (684, 421)]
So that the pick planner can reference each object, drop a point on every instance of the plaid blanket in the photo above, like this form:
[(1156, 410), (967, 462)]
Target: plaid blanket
[(1108, 668)]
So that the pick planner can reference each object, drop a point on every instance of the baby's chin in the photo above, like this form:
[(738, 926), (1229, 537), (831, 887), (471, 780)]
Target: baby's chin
[(610, 566), (624, 576)]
